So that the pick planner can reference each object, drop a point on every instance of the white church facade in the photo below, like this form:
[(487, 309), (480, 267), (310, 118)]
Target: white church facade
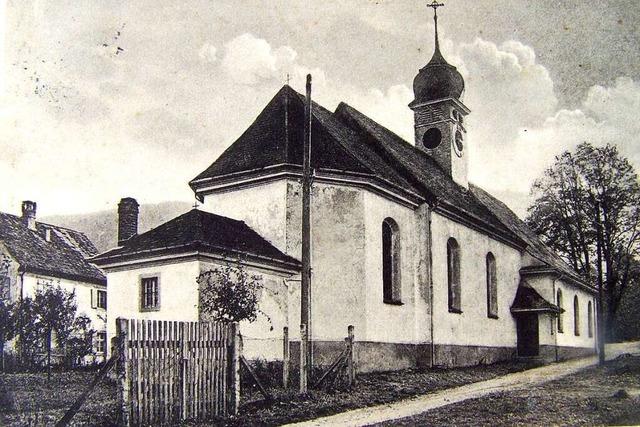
[(430, 269)]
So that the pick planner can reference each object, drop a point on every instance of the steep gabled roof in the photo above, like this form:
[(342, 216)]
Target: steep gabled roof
[(64, 256), (535, 247), (198, 231), (529, 300), (419, 168), (276, 138)]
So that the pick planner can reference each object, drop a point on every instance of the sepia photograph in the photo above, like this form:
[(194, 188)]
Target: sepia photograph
[(319, 213)]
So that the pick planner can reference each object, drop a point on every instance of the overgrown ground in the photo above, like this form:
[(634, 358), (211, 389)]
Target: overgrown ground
[(371, 389), (28, 399), (588, 398), (608, 395)]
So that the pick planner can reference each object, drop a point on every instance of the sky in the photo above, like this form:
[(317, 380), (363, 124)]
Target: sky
[(105, 99)]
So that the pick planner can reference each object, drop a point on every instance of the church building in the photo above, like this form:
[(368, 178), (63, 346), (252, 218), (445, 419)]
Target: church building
[(430, 269)]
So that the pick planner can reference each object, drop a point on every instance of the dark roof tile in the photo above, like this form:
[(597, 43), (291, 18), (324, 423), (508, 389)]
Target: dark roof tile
[(198, 230), (64, 256)]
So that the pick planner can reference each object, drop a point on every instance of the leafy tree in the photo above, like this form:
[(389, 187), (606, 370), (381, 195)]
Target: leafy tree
[(589, 201), (55, 309), (7, 327), (80, 342), (230, 294)]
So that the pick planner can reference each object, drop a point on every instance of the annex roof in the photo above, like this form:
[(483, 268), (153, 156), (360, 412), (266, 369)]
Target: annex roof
[(529, 300), (198, 231), (64, 256)]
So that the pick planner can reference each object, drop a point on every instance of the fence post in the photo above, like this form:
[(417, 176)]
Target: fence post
[(285, 357), (183, 371), (351, 370), (303, 359), (122, 369), (234, 348)]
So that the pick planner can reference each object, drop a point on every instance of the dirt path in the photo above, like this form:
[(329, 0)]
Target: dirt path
[(415, 406)]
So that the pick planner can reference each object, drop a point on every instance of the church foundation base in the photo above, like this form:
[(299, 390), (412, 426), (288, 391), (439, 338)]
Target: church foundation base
[(379, 357)]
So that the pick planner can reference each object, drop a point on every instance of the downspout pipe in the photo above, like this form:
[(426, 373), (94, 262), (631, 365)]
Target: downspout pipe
[(430, 274)]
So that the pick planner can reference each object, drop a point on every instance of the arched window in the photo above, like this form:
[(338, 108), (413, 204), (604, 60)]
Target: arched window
[(576, 316), (590, 319), (453, 275), (559, 303), (492, 287), (390, 262)]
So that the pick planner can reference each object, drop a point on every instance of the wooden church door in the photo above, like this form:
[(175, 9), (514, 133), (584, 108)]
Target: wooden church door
[(527, 326)]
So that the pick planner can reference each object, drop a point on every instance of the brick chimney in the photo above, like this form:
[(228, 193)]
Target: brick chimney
[(29, 214), (127, 219)]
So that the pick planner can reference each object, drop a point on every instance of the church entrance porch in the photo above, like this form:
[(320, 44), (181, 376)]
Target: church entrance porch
[(528, 335)]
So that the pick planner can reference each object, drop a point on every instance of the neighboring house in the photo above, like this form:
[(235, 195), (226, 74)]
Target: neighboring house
[(153, 275), (36, 254), (429, 268)]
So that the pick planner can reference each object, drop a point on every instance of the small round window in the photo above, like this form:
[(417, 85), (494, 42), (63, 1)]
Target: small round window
[(432, 138), (458, 145)]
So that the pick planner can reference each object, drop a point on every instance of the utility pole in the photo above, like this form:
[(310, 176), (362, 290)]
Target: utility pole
[(305, 291), (600, 315)]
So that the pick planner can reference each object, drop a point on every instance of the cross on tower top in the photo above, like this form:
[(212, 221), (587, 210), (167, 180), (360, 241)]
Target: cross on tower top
[(435, 5)]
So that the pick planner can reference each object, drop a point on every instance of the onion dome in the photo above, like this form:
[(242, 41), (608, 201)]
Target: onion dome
[(438, 79)]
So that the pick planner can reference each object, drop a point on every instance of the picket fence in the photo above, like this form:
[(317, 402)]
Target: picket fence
[(172, 371)]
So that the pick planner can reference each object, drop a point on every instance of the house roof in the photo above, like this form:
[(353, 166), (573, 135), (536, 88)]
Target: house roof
[(529, 300), (198, 231), (535, 247), (64, 256)]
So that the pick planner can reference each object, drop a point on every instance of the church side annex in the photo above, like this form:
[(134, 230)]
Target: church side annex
[(429, 268)]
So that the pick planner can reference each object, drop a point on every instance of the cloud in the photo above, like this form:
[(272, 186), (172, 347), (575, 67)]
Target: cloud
[(208, 52)]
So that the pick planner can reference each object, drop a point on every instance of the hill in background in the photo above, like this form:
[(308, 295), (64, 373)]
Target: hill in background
[(102, 227)]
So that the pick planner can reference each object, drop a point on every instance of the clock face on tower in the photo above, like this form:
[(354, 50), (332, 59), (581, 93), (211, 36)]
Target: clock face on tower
[(432, 138), (458, 144)]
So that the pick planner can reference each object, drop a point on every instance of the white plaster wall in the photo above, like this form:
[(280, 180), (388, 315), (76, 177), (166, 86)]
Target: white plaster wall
[(568, 338), (262, 208), (98, 316), (262, 338), (546, 285), (178, 293), (473, 326), (409, 322), (337, 257)]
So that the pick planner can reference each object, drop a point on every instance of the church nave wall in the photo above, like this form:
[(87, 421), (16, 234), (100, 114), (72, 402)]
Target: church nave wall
[(473, 326)]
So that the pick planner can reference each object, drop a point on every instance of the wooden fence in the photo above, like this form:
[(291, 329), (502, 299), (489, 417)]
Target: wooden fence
[(171, 371)]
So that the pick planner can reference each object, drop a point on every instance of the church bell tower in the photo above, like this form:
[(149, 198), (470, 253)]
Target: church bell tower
[(439, 112)]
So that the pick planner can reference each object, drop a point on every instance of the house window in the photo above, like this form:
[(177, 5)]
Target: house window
[(492, 287), (590, 319), (391, 262), (560, 309), (149, 293), (101, 299), (576, 316), (101, 342), (453, 275)]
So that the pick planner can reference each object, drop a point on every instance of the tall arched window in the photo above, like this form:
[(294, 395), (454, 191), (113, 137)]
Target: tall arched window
[(560, 308), (576, 316), (492, 287), (590, 319), (391, 262), (453, 275)]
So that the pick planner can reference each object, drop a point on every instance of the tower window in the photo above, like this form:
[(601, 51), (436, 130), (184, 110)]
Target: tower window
[(431, 138), (390, 262), (453, 275)]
